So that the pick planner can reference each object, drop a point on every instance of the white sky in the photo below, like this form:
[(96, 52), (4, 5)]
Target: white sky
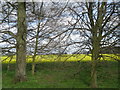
[(65, 20)]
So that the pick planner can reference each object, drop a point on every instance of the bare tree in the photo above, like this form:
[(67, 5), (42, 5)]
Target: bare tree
[(99, 21), (14, 32), (44, 30)]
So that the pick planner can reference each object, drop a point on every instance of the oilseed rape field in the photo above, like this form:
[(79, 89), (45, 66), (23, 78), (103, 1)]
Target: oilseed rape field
[(60, 58)]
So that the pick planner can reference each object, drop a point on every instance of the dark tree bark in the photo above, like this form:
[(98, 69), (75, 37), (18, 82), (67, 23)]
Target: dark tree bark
[(21, 44)]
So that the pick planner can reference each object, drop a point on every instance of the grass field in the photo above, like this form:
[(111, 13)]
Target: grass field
[(52, 72), (67, 75)]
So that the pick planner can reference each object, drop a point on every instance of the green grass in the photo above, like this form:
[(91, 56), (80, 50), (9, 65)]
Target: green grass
[(63, 75), (54, 71)]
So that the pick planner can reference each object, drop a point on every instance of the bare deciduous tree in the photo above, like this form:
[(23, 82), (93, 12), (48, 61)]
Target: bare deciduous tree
[(99, 21)]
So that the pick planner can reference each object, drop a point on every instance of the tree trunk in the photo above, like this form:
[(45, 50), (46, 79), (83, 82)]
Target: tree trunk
[(93, 74), (33, 65), (33, 69), (37, 40), (35, 51), (95, 54), (21, 44)]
